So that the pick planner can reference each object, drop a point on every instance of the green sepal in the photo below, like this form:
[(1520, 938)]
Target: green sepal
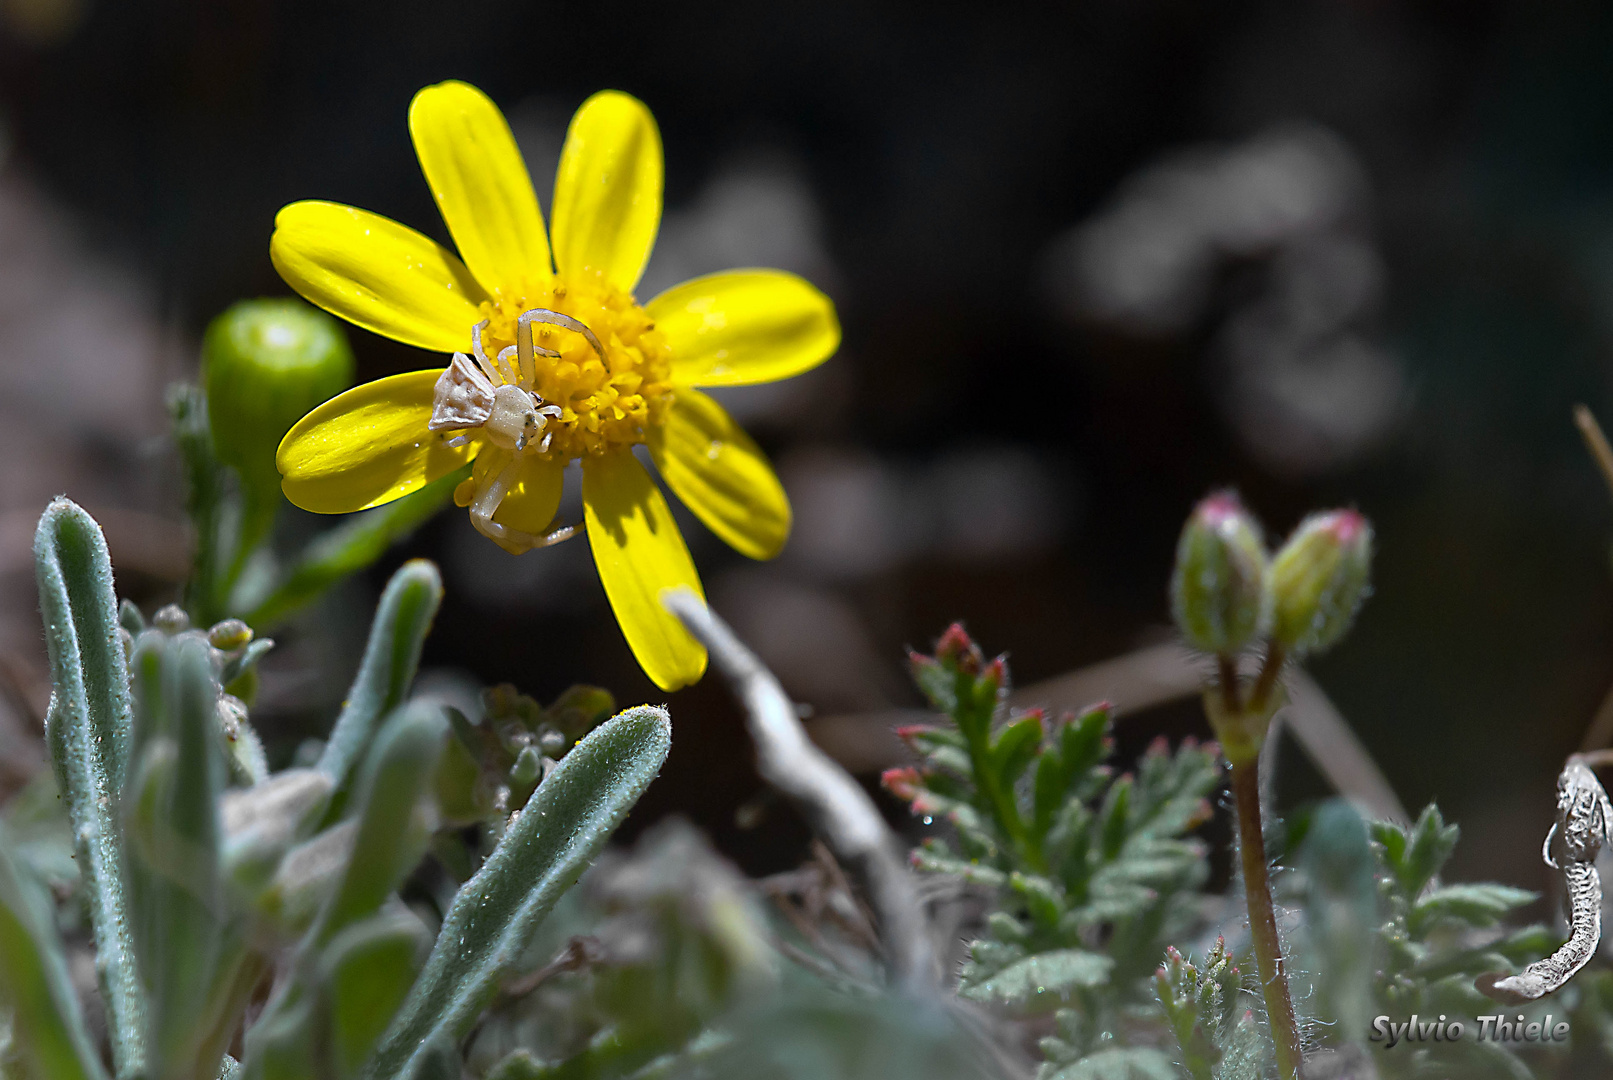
[(243, 663)]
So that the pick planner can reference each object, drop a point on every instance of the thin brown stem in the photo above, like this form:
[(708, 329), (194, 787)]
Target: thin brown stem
[(1263, 920), (1595, 442), (1227, 666), (1266, 681)]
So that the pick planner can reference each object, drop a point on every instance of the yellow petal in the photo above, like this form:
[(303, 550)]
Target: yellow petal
[(607, 192), (640, 552), (376, 274), (745, 326), (722, 475), (533, 496), (368, 446), (481, 185)]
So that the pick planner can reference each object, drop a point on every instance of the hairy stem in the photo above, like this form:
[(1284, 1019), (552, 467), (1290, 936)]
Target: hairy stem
[(1262, 920), (1266, 681), (1227, 671)]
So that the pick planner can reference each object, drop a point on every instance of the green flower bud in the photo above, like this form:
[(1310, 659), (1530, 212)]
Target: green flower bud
[(1219, 595), (265, 364), (1319, 579)]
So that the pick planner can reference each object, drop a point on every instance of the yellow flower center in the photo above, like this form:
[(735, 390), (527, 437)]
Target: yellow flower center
[(605, 403)]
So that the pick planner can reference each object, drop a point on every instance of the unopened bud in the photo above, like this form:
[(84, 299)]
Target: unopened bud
[(267, 363), (229, 635), (1319, 579), (1218, 588), (171, 619)]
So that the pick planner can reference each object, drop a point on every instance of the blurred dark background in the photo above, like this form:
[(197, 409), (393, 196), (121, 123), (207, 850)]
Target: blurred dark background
[(1093, 260)]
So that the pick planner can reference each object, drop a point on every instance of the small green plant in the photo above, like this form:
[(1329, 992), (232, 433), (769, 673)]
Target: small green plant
[(1228, 595), (1093, 873), (1431, 940), (209, 882), (1215, 1039)]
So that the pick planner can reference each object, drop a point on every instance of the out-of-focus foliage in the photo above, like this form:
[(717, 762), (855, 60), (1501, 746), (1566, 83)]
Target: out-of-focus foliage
[(1093, 874), (664, 963), (210, 882), (1383, 935), (496, 760)]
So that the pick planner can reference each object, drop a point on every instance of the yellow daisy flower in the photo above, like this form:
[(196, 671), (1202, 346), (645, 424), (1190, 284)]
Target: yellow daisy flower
[(554, 359)]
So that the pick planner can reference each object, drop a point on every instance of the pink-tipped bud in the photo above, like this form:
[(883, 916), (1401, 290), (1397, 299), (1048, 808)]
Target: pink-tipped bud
[(959, 648), (903, 782), (1319, 579), (1219, 594)]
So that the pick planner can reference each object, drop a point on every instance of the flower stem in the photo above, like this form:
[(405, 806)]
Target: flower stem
[(1227, 669), (1262, 920), (1266, 681)]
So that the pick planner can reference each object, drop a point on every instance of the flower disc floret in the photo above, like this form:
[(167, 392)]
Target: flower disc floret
[(607, 403)]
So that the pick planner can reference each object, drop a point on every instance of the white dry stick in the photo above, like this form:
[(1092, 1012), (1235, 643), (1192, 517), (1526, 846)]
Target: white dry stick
[(1583, 819), (832, 800)]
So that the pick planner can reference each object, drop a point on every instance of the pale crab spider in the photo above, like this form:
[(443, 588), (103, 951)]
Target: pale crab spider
[(497, 396)]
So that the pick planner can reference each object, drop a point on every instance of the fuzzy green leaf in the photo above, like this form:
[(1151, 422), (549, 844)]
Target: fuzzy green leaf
[(1114, 817), (1246, 1053), (392, 820), (1478, 904), (563, 827), (366, 970), (937, 683), (1042, 982), (87, 729), (1415, 855), (189, 954), (1016, 747), (1042, 897), (34, 984), (926, 859), (402, 620)]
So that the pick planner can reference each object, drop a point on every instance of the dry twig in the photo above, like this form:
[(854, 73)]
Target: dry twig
[(831, 799)]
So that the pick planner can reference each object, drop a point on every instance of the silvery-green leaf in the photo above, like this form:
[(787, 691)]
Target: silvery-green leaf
[(1042, 982), (87, 729), (563, 827), (47, 1028), (402, 620)]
